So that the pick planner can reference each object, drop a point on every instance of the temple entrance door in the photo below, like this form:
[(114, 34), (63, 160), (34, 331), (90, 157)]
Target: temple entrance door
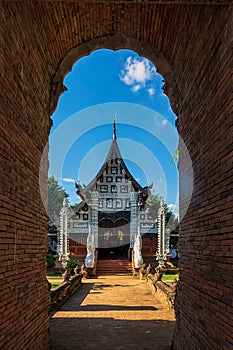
[(113, 239)]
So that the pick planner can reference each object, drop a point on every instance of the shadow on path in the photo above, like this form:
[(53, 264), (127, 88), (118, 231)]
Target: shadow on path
[(113, 313)]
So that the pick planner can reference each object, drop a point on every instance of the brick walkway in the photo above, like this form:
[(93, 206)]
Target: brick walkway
[(112, 312)]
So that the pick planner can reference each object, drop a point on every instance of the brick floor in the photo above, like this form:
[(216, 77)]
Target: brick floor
[(112, 312)]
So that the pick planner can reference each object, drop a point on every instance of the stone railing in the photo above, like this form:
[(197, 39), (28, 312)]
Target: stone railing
[(61, 293), (165, 293)]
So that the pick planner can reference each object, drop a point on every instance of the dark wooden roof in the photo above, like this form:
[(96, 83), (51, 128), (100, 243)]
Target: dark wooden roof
[(114, 158)]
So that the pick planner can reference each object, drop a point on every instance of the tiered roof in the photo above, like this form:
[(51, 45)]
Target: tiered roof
[(113, 157)]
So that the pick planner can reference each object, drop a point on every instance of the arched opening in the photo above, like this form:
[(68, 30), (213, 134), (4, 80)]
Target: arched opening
[(143, 133), (114, 213)]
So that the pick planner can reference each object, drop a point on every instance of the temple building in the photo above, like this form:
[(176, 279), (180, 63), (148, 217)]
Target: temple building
[(111, 216)]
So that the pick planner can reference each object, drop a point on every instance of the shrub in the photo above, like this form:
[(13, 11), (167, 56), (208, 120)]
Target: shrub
[(51, 251), (50, 260), (72, 263)]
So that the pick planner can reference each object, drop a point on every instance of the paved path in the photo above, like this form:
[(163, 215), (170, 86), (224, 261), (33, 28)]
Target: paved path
[(112, 312)]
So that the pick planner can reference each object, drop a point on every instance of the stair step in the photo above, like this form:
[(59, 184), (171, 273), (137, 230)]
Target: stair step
[(114, 266)]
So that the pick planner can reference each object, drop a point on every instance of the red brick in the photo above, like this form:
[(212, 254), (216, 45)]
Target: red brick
[(191, 47)]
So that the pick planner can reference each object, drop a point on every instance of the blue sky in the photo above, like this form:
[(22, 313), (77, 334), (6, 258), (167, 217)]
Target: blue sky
[(101, 85)]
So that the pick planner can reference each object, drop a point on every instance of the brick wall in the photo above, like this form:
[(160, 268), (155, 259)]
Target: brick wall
[(191, 47), (24, 125), (204, 297)]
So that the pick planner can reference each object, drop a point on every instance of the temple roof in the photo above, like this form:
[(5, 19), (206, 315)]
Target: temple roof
[(113, 157)]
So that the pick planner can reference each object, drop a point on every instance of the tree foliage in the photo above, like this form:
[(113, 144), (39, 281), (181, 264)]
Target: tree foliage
[(176, 156), (56, 195), (154, 201), (72, 263)]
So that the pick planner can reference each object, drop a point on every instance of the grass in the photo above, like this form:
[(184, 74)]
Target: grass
[(54, 279), (170, 277), (53, 276), (55, 284)]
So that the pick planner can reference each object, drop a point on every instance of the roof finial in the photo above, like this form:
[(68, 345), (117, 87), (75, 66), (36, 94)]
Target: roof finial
[(114, 128)]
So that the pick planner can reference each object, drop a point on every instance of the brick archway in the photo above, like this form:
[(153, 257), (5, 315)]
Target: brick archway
[(39, 39), (115, 42)]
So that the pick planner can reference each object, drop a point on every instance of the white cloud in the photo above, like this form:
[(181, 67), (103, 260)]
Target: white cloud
[(174, 208), (171, 206), (159, 121), (151, 91), (164, 122), (136, 88), (137, 72), (67, 179)]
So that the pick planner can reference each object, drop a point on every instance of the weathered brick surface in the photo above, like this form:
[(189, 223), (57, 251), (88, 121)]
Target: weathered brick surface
[(192, 47), (204, 296)]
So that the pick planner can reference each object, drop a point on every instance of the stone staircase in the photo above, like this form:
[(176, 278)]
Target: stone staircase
[(113, 267)]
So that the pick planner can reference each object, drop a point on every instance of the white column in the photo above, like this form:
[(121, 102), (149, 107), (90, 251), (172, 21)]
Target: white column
[(133, 218), (63, 246), (93, 220), (92, 239), (138, 260), (167, 241), (161, 234)]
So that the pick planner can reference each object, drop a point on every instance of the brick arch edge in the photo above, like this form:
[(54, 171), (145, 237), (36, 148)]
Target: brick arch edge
[(114, 43)]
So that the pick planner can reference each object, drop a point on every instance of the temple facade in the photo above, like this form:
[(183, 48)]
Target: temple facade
[(111, 216)]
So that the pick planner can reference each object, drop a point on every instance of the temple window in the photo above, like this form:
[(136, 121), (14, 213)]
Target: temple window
[(114, 170), (127, 205), (113, 189), (103, 188), (124, 189), (85, 216), (118, 203), (109, 203)]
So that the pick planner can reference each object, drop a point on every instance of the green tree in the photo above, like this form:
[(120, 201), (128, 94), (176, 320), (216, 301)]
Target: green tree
[(170, 218), (154, 202), (175, 158), (72, 206), (56, 195)]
